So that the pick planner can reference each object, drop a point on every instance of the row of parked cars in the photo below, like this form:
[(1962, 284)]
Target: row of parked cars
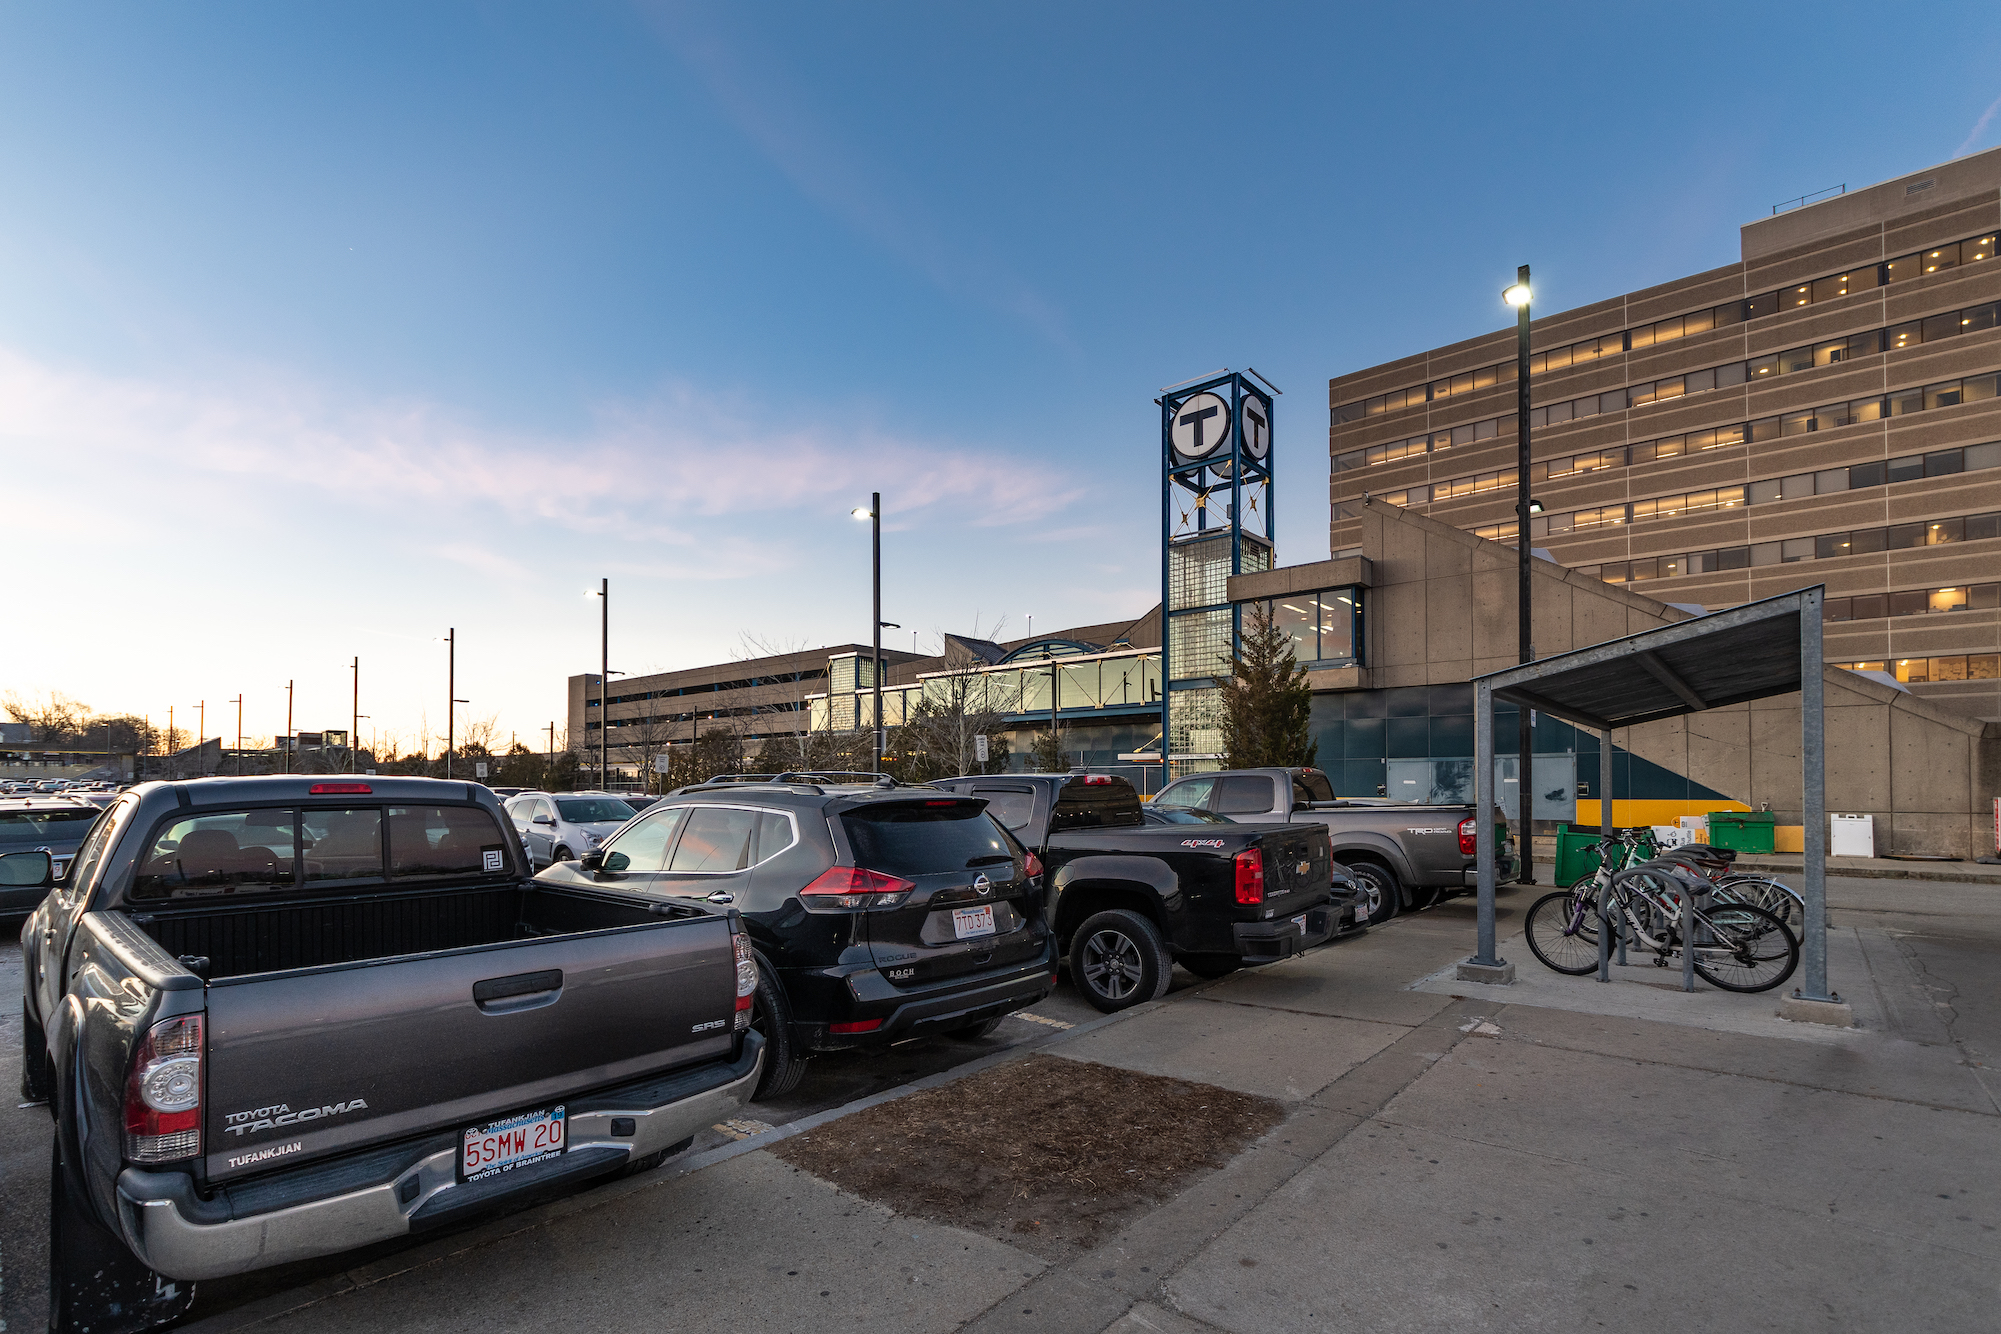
[(290, 957)]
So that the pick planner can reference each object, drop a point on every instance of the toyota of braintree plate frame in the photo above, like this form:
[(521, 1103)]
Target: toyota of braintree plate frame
[(968, 923), (513, 1141)]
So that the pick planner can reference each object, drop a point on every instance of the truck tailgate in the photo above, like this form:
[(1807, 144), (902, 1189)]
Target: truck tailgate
[(323, 1061), (1298, 858)]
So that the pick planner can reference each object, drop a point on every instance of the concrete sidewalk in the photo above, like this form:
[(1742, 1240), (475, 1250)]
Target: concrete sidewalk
[(1450, 1162)]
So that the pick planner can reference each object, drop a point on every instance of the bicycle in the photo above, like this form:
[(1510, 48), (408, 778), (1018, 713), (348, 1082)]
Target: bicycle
[(1737, 946)]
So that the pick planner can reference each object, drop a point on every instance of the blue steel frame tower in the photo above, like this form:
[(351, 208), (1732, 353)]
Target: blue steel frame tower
[(1215, 521)]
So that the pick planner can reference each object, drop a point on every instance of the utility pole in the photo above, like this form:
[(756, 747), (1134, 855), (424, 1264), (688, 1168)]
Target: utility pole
[(201, 740), (451, 690), (291, 737), (604, 677), (238, 701), (354, 735), (170, 741)]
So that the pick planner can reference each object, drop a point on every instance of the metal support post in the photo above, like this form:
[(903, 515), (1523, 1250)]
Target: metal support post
[(1525, 787), (1485, 965), (1813, 775), (1606, 925)]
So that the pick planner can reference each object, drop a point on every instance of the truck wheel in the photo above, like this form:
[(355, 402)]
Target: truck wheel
[(1118, 960), (1379, 890), (96, 1285), (34, 1058), (771, 1016)]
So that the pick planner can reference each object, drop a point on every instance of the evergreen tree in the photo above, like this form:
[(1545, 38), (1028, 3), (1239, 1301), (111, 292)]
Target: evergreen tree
[(1266, 701)]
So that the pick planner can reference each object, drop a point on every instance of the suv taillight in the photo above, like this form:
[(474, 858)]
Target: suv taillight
[(746, 979), (847, 888), (1251, 876), (163, 1093), (1031, 867), (1469, 837)]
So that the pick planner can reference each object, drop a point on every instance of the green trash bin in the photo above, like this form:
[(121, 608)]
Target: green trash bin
[(1746, 831), (1576, 855)]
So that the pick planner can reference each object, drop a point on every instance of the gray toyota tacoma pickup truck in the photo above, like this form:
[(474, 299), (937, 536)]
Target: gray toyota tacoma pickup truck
[(277, 1018), (1404, 855)]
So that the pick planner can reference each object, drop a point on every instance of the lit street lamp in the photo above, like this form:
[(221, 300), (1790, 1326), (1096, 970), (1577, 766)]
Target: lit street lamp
[(1519, 296), (874, 515)]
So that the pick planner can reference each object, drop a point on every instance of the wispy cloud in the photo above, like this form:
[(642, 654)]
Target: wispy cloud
[(862, 194), (1979, 129), (672, 471)]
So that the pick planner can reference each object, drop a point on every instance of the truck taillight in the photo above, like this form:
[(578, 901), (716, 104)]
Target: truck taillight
[(1469, 838), (1251, 876), (746, 979), (163, 1093), (846, 888)]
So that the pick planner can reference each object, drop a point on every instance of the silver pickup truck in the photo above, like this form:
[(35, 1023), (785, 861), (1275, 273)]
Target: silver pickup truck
[(275, 1018), (1404, 855)]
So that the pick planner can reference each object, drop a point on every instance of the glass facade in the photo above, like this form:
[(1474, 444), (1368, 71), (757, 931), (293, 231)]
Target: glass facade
[(1423, 736), (1325, 626)]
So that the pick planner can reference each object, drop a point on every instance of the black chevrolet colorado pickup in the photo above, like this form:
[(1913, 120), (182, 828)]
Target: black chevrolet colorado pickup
[(1128, 899), (277, 1018)]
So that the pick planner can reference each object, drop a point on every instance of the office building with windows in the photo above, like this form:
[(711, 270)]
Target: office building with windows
[(1826, 410)]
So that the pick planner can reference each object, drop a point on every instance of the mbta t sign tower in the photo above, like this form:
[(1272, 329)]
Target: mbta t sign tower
[(1215, 521)]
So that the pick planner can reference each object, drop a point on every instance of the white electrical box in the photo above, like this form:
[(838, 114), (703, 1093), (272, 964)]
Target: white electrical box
[(1673, 836), (1851, 836)]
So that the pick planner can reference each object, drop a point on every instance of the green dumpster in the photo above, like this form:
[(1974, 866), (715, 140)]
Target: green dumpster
[(1576, 855), (1746, 831)]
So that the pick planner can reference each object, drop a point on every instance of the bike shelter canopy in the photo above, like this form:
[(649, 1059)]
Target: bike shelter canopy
[(1751, 652)]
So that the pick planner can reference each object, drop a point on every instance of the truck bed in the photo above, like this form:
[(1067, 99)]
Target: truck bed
[(274, 936)]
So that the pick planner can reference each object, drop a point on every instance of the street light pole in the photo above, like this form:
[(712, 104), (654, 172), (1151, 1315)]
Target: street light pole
[(201, 740), (354, 733), (874, 515), (1519, 297), (289, 734), (238, 701)]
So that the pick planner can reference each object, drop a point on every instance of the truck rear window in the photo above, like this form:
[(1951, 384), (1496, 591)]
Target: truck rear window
[(928, 839), (251, 851)]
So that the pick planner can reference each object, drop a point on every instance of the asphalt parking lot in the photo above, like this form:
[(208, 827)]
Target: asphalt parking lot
[(1861, 1160), (833, 1081)]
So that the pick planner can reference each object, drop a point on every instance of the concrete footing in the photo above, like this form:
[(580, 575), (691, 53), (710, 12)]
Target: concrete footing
[(1493, 974), (1835, 1012)]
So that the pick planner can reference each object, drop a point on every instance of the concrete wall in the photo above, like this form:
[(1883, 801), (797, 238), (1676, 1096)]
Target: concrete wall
[(1925, 771), (1443, 603)]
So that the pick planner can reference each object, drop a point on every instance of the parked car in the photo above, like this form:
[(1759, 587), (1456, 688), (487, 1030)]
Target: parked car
[(876, 913), (1128, 899), (1405, 855), (55, 825), (562, 826), (277, 1018)]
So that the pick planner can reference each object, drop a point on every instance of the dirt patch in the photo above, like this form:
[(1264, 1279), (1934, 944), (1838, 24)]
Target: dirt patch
[(1043, 1153)]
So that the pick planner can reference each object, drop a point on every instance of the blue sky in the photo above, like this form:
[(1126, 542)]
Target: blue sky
[(322, 331)]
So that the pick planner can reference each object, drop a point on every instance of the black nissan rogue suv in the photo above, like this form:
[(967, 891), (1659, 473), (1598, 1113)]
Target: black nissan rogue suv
[(877, 913)]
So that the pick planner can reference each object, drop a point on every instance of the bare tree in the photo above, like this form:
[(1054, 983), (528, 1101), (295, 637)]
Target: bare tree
[(782, 731), (643, 738), (939, 736)]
